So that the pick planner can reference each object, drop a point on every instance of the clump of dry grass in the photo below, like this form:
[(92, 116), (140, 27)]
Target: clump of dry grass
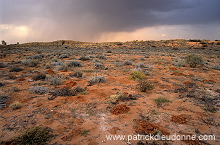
[(145, 85), (15, 105)]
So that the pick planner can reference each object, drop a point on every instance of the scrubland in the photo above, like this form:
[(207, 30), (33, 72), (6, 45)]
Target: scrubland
[(68, 92)]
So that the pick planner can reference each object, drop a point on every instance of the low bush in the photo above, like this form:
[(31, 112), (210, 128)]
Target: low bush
[(193, 60), (40, 76), (16, 69), (102, 57), (137, 75), (140, 65), (145, 86), (66, 91), (3, 100), (61, 67), (39, 90), (84, 58), (127, 62), (97, 79), (78, 74), (99, 66), (159, 101), (179, 62), (15, 105), (64, 56), (33, 136), (75, 64), (56, 63), (38, 56), (216, 67), (2, 65), (56, 81), (29, 62)]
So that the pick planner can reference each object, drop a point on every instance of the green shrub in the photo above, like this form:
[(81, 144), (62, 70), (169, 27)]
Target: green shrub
[(193, 60), (137, 75), (159, 101), (33, 136)]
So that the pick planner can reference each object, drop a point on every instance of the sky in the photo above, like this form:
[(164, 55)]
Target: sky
[(108, 20)]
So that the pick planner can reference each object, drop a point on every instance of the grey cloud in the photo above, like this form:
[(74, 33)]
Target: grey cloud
[(88, 18)]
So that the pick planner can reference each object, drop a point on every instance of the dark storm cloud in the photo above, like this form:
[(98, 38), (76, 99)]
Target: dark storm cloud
[(103, 15), (80, 18)]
